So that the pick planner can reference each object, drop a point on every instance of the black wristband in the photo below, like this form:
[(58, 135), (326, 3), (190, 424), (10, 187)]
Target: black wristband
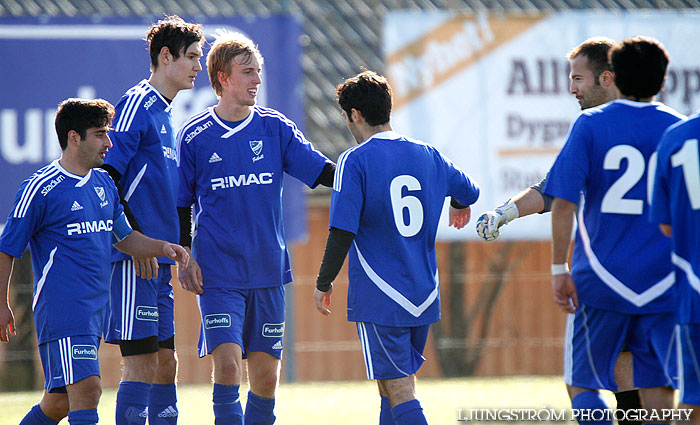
[(185, 216), (337, 247), (455, 204)]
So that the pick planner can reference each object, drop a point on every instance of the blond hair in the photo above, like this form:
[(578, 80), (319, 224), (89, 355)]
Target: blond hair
[(226, 47)]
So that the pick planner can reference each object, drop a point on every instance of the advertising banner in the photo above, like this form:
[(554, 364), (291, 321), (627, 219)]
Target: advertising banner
[(492, 92)]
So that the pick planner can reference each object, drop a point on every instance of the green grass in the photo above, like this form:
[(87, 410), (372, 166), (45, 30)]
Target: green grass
[(345, 403)]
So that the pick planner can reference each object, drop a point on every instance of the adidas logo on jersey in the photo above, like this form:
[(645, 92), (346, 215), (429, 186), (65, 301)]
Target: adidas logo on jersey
[(277, 346), (214, 158), (169, 412), (163, 130), (76, 206)]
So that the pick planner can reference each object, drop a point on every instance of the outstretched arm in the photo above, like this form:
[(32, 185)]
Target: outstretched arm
[(139, 245), (7, 319)]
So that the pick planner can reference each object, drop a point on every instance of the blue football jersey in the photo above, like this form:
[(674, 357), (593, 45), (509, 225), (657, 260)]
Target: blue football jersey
[(676, 201), (233, 177), (68, 221), (389, 191), (144, 154), (620, 261)]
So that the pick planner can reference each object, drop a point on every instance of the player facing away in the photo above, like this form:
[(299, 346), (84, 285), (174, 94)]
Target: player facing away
[(620, 287), (69, 214), (676, 207), (592, 82), (144, 167), (232, 158), (388, 194)]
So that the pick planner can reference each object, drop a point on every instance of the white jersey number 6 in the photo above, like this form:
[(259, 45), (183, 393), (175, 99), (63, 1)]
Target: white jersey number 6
[(411, 203)]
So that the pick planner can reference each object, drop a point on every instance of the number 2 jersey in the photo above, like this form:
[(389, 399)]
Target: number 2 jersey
[(676, 201), (68, 221), (389, 191), (621, 262), (233, 177)]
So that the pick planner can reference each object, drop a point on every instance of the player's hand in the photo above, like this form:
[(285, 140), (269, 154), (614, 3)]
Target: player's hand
[(190, 276), (564, 291), (489, 222), (7, 323), (322, 300), (146, 267), (460, 217)]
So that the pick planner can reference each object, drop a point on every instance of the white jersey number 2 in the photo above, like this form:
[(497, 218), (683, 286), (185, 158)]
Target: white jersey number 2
[(411, 203), (614, 201)]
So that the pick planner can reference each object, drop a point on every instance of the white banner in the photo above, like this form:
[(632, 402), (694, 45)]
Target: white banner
[(492, 93)]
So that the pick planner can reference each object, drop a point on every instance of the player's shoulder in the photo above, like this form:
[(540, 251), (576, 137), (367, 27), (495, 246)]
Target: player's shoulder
[(38, 186), (138, 100), (196, 126), (667, 110), (272, 118), (681, 131)]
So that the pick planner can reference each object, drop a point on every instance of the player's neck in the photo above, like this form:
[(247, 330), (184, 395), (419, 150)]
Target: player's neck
[(231, 111), (369, 131), (160, 83), (635, 99), (72, 165)]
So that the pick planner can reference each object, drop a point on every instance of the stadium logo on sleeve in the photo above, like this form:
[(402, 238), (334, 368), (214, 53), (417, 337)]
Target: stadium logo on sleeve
[(46, 189), (217, 321), (84, 352), (147, 313), (256, 146), (273, 330)]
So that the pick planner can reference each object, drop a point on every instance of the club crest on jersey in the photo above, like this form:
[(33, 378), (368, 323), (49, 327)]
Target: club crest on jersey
[(101, 194), (256, 146)]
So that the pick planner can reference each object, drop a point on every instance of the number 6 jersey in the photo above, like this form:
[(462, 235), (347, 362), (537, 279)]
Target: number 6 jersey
[(621, 261), (389, 191)]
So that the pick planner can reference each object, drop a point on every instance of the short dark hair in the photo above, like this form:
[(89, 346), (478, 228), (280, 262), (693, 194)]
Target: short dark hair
[(595, 49), (370, 94), (639, 64), (175, 34), (80, 115)]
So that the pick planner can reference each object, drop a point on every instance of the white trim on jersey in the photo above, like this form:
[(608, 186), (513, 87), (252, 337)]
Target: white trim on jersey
[(231, 131), (635, 104), (569, 348), (366, 353), (679, 362), (687, 268), (135, 183), (196, 217), (128, 299), (667, 360), (196, 119), (65, 348), (392, 293), (84, 179), (44, 273), (653, 292), (36, 182), (203, 350), (340, 168), (133, 103)]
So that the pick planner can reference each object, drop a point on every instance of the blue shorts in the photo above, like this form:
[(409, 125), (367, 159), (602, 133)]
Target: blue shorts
[(69, 360), (594, 339), (392, 352), (253, 319), (688, 349), (140, 308)]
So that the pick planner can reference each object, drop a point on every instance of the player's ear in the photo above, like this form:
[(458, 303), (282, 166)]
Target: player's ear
[(222, 76), (165, 57), (73, 137), (356, 115), (606, 79)]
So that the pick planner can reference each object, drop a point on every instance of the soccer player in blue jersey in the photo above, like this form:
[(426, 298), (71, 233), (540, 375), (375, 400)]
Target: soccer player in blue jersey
[(388, 194), (69, 214), (619, 290), (144, 167), (593, 84), (676, 207), (232, 158)]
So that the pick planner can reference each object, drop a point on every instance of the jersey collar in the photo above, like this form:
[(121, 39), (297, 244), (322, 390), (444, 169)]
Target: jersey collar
[(634, 104), (231, 131), (385, 135), (168, 106), (81, 179)]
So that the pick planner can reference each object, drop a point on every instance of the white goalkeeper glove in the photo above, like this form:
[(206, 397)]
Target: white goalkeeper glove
[(489, 222)]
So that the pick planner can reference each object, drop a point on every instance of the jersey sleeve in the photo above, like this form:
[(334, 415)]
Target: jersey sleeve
[(347, 198), (459, 185), (300, 158), (660, 211), (186, 171), (24, 220), (539, 187), (571, 169), (130, 128)]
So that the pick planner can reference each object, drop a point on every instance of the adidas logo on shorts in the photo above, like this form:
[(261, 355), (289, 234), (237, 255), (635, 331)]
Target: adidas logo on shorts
[(277, 346), (169, 412), (214, 158)]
